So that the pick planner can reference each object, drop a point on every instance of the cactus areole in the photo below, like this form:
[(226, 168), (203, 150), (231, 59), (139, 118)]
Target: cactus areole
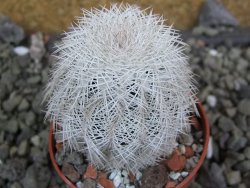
[(121, 90)]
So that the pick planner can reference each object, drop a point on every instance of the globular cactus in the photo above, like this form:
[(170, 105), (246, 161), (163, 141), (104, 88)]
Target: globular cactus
[(121, 90)]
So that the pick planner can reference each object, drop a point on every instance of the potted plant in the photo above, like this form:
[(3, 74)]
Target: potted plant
[(122, 93)]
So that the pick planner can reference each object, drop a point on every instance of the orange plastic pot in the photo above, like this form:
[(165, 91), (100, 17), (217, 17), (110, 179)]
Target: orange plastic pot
[(183, 184)]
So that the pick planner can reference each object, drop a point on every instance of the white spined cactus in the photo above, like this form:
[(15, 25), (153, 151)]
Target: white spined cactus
[(121, 91)]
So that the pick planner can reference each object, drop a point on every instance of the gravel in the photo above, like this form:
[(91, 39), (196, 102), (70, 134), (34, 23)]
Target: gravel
[(224, 90)]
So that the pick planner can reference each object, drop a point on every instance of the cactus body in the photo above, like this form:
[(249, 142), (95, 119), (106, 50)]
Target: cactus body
[(121, 90)]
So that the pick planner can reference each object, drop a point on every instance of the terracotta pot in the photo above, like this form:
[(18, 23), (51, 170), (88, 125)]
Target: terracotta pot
[(183, 184)]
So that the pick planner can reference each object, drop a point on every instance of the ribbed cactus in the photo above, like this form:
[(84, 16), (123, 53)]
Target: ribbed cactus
[(121, 90)]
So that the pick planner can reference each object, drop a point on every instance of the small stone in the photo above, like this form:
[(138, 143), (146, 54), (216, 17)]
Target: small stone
[(213, 52), (211, 100), (81, 169), (113, 174), (171, 184), (233, 177), (244, 91), (186, 139), (138, 175), (182, 149), (191, 163), (23, 148), (199, 148), (130, 186), (59, 146), (30, 118), (155, 176), (35, 140), (184, 174), (247, 53), (74, 158), (189, 152), (79, 184), (69, 171), (226, 124), (236, 142), (90, 172), (194, 147), (89, 183), (247, 152), (126, 180), (243, 166), (231, 112), (13, 151), (174, 175), (124, 173), (117, 180), (242, 185), (15, 185), (243, 107), (210, 148), (24, 105), (103, 181), (4, 151), (37, 48), (234, 53), (10, 32), (21, 50), (11, 126), (34, 79), (12, 102), (176, 162)]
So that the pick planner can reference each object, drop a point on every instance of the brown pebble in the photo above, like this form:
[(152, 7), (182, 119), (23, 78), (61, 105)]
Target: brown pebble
[(69, 171), (176, 162)]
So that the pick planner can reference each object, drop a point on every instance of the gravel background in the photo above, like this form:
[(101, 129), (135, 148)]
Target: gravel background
[(223, 75)]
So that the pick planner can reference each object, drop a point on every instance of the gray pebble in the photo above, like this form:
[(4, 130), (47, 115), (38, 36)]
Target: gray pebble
[(243, 166), (35, 140), (24, 105), (247, 152), (10, 126), (186, 139), (12, 102), (4, 151), (226, 124), (15, 185), (243, 106), (74, 158), (23, 148), (233, 177)]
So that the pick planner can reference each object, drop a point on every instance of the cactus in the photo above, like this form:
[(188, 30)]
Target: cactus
[(121, 90)]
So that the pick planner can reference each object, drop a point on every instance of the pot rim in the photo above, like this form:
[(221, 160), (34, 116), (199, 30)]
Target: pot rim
[(185, 181)]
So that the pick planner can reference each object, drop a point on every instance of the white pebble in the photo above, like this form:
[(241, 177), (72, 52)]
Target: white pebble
[(130, 186), (126, 180), (21, 50), (211, 100), (125, 173), (138, 175), (210, 148), (184, 174), (79, 184), (213, 52), (113, 174), (117, 180), (194, 147), (182, 149), (99, 186), (35, 140), (174, 176)]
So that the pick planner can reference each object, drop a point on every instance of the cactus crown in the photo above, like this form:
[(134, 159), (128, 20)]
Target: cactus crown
[(121, 90)]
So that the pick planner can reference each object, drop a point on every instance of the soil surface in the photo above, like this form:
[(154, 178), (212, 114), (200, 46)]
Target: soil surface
[(57, 15)]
